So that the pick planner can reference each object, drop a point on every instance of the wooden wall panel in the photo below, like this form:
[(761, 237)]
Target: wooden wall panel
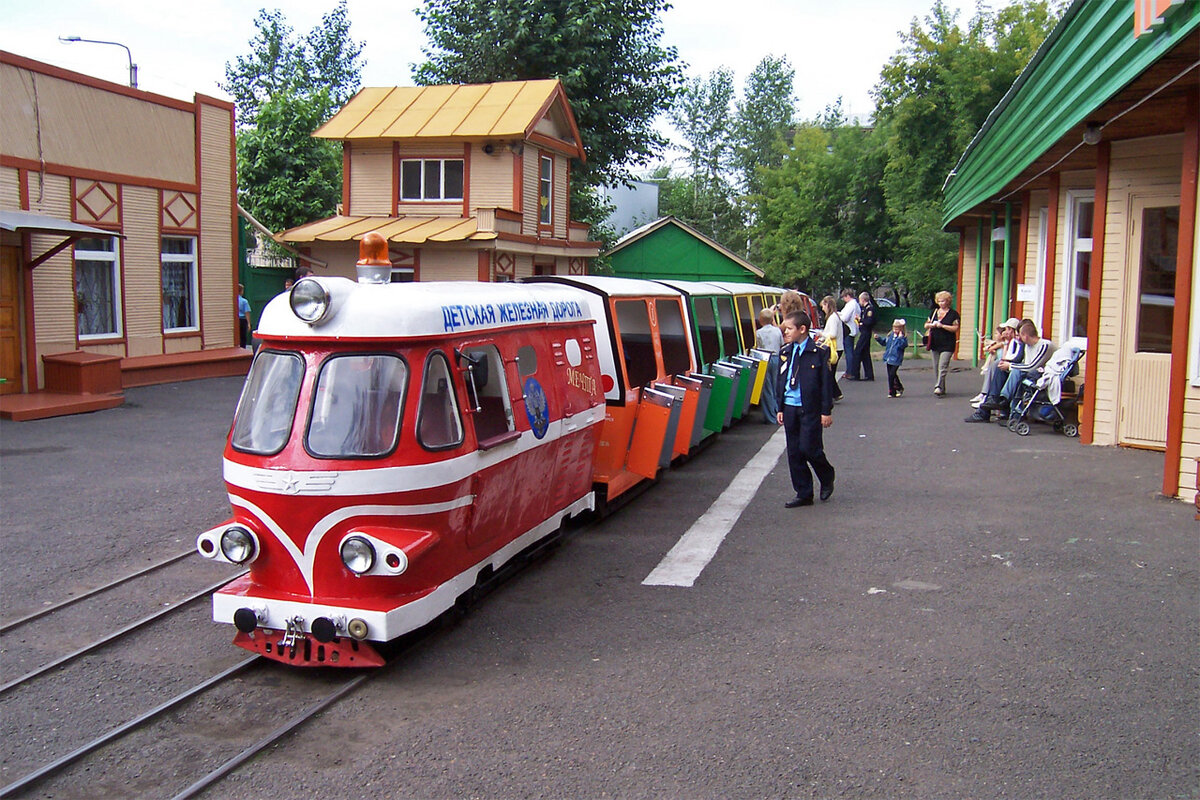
[(371, 179), (54, 279), (448, 265), (118, 134), (492, 177), (1138, 167), (218, 287), (561, 170), (143, 271), (10, 189)]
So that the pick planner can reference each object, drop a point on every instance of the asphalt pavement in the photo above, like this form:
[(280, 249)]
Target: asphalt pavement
[(973, 614)]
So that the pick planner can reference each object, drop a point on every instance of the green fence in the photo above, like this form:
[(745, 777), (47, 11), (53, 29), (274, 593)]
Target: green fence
[(914, 319)]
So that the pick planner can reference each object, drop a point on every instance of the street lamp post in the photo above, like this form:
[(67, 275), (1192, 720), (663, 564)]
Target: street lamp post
[(132, 66)]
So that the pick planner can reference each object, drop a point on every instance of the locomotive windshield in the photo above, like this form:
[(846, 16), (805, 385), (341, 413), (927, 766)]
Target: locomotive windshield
[(356, 406), (268, 403)]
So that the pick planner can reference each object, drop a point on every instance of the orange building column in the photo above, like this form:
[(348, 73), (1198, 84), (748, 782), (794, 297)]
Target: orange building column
[(1087, 415), (1183, 295)]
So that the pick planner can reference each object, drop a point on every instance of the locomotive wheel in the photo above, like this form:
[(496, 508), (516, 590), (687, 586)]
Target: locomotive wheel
[(1070, 429), (1022, 428)]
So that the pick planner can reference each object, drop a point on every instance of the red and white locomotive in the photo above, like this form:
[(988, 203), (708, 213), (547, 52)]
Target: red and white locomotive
[(395, 444)]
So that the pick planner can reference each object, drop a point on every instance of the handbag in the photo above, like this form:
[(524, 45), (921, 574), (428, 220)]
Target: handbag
[(926, 341)]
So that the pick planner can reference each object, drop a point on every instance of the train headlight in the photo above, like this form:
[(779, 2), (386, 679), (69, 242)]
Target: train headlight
[(237, 544), (310, 300), (358, 555)]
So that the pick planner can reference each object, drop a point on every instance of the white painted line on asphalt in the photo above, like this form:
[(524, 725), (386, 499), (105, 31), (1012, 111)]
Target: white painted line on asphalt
[(691, 554)]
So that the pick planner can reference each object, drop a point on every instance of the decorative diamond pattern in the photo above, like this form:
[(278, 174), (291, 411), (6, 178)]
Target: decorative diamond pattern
[(504, 267), (96, 196), (180, 209)]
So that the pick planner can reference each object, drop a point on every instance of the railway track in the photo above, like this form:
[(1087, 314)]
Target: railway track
[(112, 637)]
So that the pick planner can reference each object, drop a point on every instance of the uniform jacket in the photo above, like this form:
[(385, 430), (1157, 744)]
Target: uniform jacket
[(812, 373)]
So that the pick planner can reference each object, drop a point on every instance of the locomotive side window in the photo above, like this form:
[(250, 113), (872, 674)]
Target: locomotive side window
[(268, 403), (527, 361), (633, 317), (728, 326), (487, 391), (673, 337), (356, 406), (706, 322), (439, 425)]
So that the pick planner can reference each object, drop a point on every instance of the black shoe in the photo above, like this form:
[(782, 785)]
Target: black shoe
[(851, 378), (980, 416), (798, 501), (991, 403), (826, 491)]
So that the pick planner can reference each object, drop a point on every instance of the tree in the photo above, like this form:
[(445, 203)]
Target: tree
[(705, 197), (932, 97), (765, 116), (284, 89), (607, 53)]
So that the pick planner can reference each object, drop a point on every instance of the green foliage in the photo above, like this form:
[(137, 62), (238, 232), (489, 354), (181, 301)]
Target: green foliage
[(765, 117), (607, 53), (932, 97), (819, 220), (284, 89), (286, 177)]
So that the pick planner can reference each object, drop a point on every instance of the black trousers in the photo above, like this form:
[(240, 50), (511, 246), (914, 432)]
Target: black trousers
[(805, 447), (894, 384), (862, 357)]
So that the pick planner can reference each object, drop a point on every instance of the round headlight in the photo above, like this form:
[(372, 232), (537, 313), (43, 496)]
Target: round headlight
[(358, 555), (309, 300), (237, 544)]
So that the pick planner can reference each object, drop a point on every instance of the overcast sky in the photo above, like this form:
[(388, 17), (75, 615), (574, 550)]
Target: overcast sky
[(836, 48)]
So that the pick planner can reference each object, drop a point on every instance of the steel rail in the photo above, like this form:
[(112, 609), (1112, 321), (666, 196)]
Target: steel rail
[(7, 626), (120, 731), (233, 763), (116, 634)]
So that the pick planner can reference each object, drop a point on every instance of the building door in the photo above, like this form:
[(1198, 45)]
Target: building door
[(1149, 310), (10, 320)]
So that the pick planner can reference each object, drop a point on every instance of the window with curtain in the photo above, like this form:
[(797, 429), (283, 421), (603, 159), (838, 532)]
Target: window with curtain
[(180, 307), (1079, 263), (97, 288)]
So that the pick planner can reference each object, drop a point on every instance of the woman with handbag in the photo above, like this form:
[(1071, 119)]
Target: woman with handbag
[(941, 334), (832, 337)]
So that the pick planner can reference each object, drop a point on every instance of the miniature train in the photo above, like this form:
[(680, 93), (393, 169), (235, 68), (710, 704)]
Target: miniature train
[(397, 443)]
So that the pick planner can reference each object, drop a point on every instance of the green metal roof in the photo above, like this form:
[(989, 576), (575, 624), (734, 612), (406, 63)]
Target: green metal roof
[(1089, 56), (668, 248)]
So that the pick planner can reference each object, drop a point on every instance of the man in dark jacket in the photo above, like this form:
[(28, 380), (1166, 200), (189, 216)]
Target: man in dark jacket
[(805, 394)]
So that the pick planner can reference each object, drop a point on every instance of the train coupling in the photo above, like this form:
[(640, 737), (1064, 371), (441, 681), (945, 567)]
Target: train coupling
[(301, 649)]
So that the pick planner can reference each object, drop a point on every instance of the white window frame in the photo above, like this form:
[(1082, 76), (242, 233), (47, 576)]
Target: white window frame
[(113, 257), (193, 278), (441, 166), (1074, 246), (1042, 245), (546, 184)]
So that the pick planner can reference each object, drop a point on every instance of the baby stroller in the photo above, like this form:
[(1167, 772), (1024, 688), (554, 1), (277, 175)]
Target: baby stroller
[(1052, 397)]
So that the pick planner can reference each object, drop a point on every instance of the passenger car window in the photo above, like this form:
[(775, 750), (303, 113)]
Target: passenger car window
[(487, 391), (676, 359), (633, 317), (706, 323), (267, 406), (439, 425), (729, 337), (356, 406)]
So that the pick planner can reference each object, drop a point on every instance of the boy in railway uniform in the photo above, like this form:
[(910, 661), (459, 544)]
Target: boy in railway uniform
[(805, 396)]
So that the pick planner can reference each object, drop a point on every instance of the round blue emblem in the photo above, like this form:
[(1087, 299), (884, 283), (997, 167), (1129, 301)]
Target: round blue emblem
[(536, 407)]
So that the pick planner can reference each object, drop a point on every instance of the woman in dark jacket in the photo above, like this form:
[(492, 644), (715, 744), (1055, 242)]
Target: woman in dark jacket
[(942, 327)]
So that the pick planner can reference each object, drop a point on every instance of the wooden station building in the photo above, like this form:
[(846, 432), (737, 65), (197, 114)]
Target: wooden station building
[(465, 182), (1076, 207)]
